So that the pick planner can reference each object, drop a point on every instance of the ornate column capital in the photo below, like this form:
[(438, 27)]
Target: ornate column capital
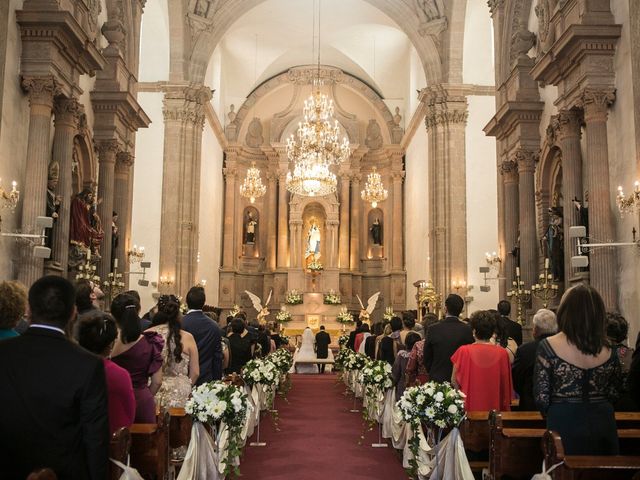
[(495, 5), (596, 103), (526, 160), (41, 90), (186, 104), (229, 173), (356, 178), (398, 176), (107, 150), (509, 170), (67, 111), (565, 124), (124, 161)]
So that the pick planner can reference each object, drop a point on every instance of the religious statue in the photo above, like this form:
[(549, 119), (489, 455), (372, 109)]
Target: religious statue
[(583, 212), (428, 10), (250, 236), (313, 242), (115, 238), (554, 243), (53, 201), (86, 230), (365, 313), (263, 311), (376, 232), (515, 251)]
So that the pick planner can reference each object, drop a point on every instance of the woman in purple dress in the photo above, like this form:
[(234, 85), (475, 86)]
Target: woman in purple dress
[(140, 353)]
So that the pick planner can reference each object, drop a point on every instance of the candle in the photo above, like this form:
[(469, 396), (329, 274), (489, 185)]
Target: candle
[(517, 271), (14, 184), (88, 254), (546, 263), (115, 263)]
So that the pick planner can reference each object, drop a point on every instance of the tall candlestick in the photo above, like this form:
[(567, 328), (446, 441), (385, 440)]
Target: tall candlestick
[(517, 271), (546, 263), (115, 263), (88, 254)]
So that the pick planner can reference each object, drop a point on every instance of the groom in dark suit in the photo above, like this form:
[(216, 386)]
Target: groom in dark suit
[(53, 394), (323, 339), (207, 335)]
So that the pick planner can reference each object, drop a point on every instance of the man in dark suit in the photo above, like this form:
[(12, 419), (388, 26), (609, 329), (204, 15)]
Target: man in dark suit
[(323, 339), (514, 329), (351, 343), (544, 325), (207, 335), (444, 338), (53, 394)]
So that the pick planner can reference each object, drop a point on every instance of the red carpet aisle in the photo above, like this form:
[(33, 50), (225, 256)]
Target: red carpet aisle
[(318, 439)]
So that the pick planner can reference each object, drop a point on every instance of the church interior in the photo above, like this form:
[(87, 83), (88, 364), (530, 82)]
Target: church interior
[(314, 162)]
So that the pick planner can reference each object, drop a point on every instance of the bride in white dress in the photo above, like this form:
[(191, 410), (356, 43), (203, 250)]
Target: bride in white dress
[(306, 353)]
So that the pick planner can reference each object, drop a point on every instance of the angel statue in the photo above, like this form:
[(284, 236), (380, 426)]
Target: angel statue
[(263, 312), (365, 313)]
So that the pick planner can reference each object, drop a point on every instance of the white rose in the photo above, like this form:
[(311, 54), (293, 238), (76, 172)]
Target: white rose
[(453, 409), (439, 397), (429, 391)]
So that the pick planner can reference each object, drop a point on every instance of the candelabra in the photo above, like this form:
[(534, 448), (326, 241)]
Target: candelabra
[(9, 199), (493, 259), (628, 203), (114, 284), (166, 281), (427, 296), (520, 295), (87, 270), (136, 254), (458, 285), (547, 289)]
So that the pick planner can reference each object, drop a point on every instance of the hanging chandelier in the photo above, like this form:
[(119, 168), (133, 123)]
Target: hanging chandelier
[(252, 186), (374, 191), (311, 179), (316, 146)]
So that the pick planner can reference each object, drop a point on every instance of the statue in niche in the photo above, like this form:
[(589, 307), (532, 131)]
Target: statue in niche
[(115, 238), (428, 10), (397, 118), (86, 227), (397, 131), (232, 114), (53, 200), (254, 134), (313, 242), (376, 232), (203, 7), (583, 211), (374, 135), (250, 228), (554, 243), (515, 251), (231, 130)]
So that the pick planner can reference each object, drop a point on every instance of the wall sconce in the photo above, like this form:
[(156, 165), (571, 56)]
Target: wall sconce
[(136, 254), (10, 199), (493, 259), (202, 283), (458, 284), (628, 203), (166, 281)]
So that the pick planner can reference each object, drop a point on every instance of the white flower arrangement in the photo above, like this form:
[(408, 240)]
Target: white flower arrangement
[(293, 297), (260, 371), (282, 359), (376, 377), (332, 298), (315, 266), (342, 341), (355, 361), (344, 316), (283, 316), (217, 401), (437, 404), (342, 356)]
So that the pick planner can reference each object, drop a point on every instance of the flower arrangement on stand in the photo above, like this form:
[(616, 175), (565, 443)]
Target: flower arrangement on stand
[(293, 297), (344, 317), (437, 405), (283, 360), (340, 358), (264, 373), (283, 316), (224, 406), (376, 379), (342, 341), (332, 298)]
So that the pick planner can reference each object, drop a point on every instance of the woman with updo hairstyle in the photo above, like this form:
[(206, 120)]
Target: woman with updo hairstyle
[(482, 369), (139, 353), (97, 333), (13, 303), (180, 363)]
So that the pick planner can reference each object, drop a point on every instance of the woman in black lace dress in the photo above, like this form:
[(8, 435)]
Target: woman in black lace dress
[(578, 377)]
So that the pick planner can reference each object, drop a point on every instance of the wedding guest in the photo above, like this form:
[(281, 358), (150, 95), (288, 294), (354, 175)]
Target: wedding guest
[(390, 345), (444, 338), (544, 325), (264, 341), (241, 346), (386, 331), (514, 329), (416, 371), (207, 334), (144, 324), (275, 336), (352, 335), (53, 394), (361, 336), (400, 364), (139, 353), (481, 369), (180, 363), (617, 331), (577, 377), (408, 324), (370, 342), (502, 336), (323, 340), (13, 302), (97, 333)]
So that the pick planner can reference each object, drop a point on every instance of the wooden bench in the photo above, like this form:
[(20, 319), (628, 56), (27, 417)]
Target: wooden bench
[(474, 432), (119, 447), (179, 428), (150, 447), (588, 467)]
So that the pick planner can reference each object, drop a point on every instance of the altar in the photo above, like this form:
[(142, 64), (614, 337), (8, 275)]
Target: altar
[(313, 313)]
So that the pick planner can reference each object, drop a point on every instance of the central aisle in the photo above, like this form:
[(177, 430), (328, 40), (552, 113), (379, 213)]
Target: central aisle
[(318, 439)]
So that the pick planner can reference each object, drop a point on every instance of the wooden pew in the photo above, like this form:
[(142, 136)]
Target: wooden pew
[(179, 428), (150, 447), (474, 432), (119, 447), (587, 467)]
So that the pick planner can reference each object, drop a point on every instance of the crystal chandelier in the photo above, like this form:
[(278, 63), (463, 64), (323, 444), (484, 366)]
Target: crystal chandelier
[(252, 186), (311, 179), (628, 203), (374, 191)]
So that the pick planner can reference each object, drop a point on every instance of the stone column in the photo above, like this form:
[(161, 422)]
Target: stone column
[(568, 137), (344, 221), (332, 227), (511, 213), (41, 91), (121, 201), (355, 221), (283, 221), (397, 262), (67, 115), (526, 163), (272, 208), (445, 121), (602, 261), (107, 150), (295, 260), (228, 243)]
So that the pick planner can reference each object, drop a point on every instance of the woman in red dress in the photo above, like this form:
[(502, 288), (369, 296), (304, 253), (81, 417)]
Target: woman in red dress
[(482, 369)]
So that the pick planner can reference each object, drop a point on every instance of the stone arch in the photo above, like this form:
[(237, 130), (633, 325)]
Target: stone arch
[(210, 29)]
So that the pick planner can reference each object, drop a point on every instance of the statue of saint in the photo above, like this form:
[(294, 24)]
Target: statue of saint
[(86, 230), (53, 201), (250, 236), (583, 212), (376, 232), (115, 238), (313, 242), (554, 240)]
